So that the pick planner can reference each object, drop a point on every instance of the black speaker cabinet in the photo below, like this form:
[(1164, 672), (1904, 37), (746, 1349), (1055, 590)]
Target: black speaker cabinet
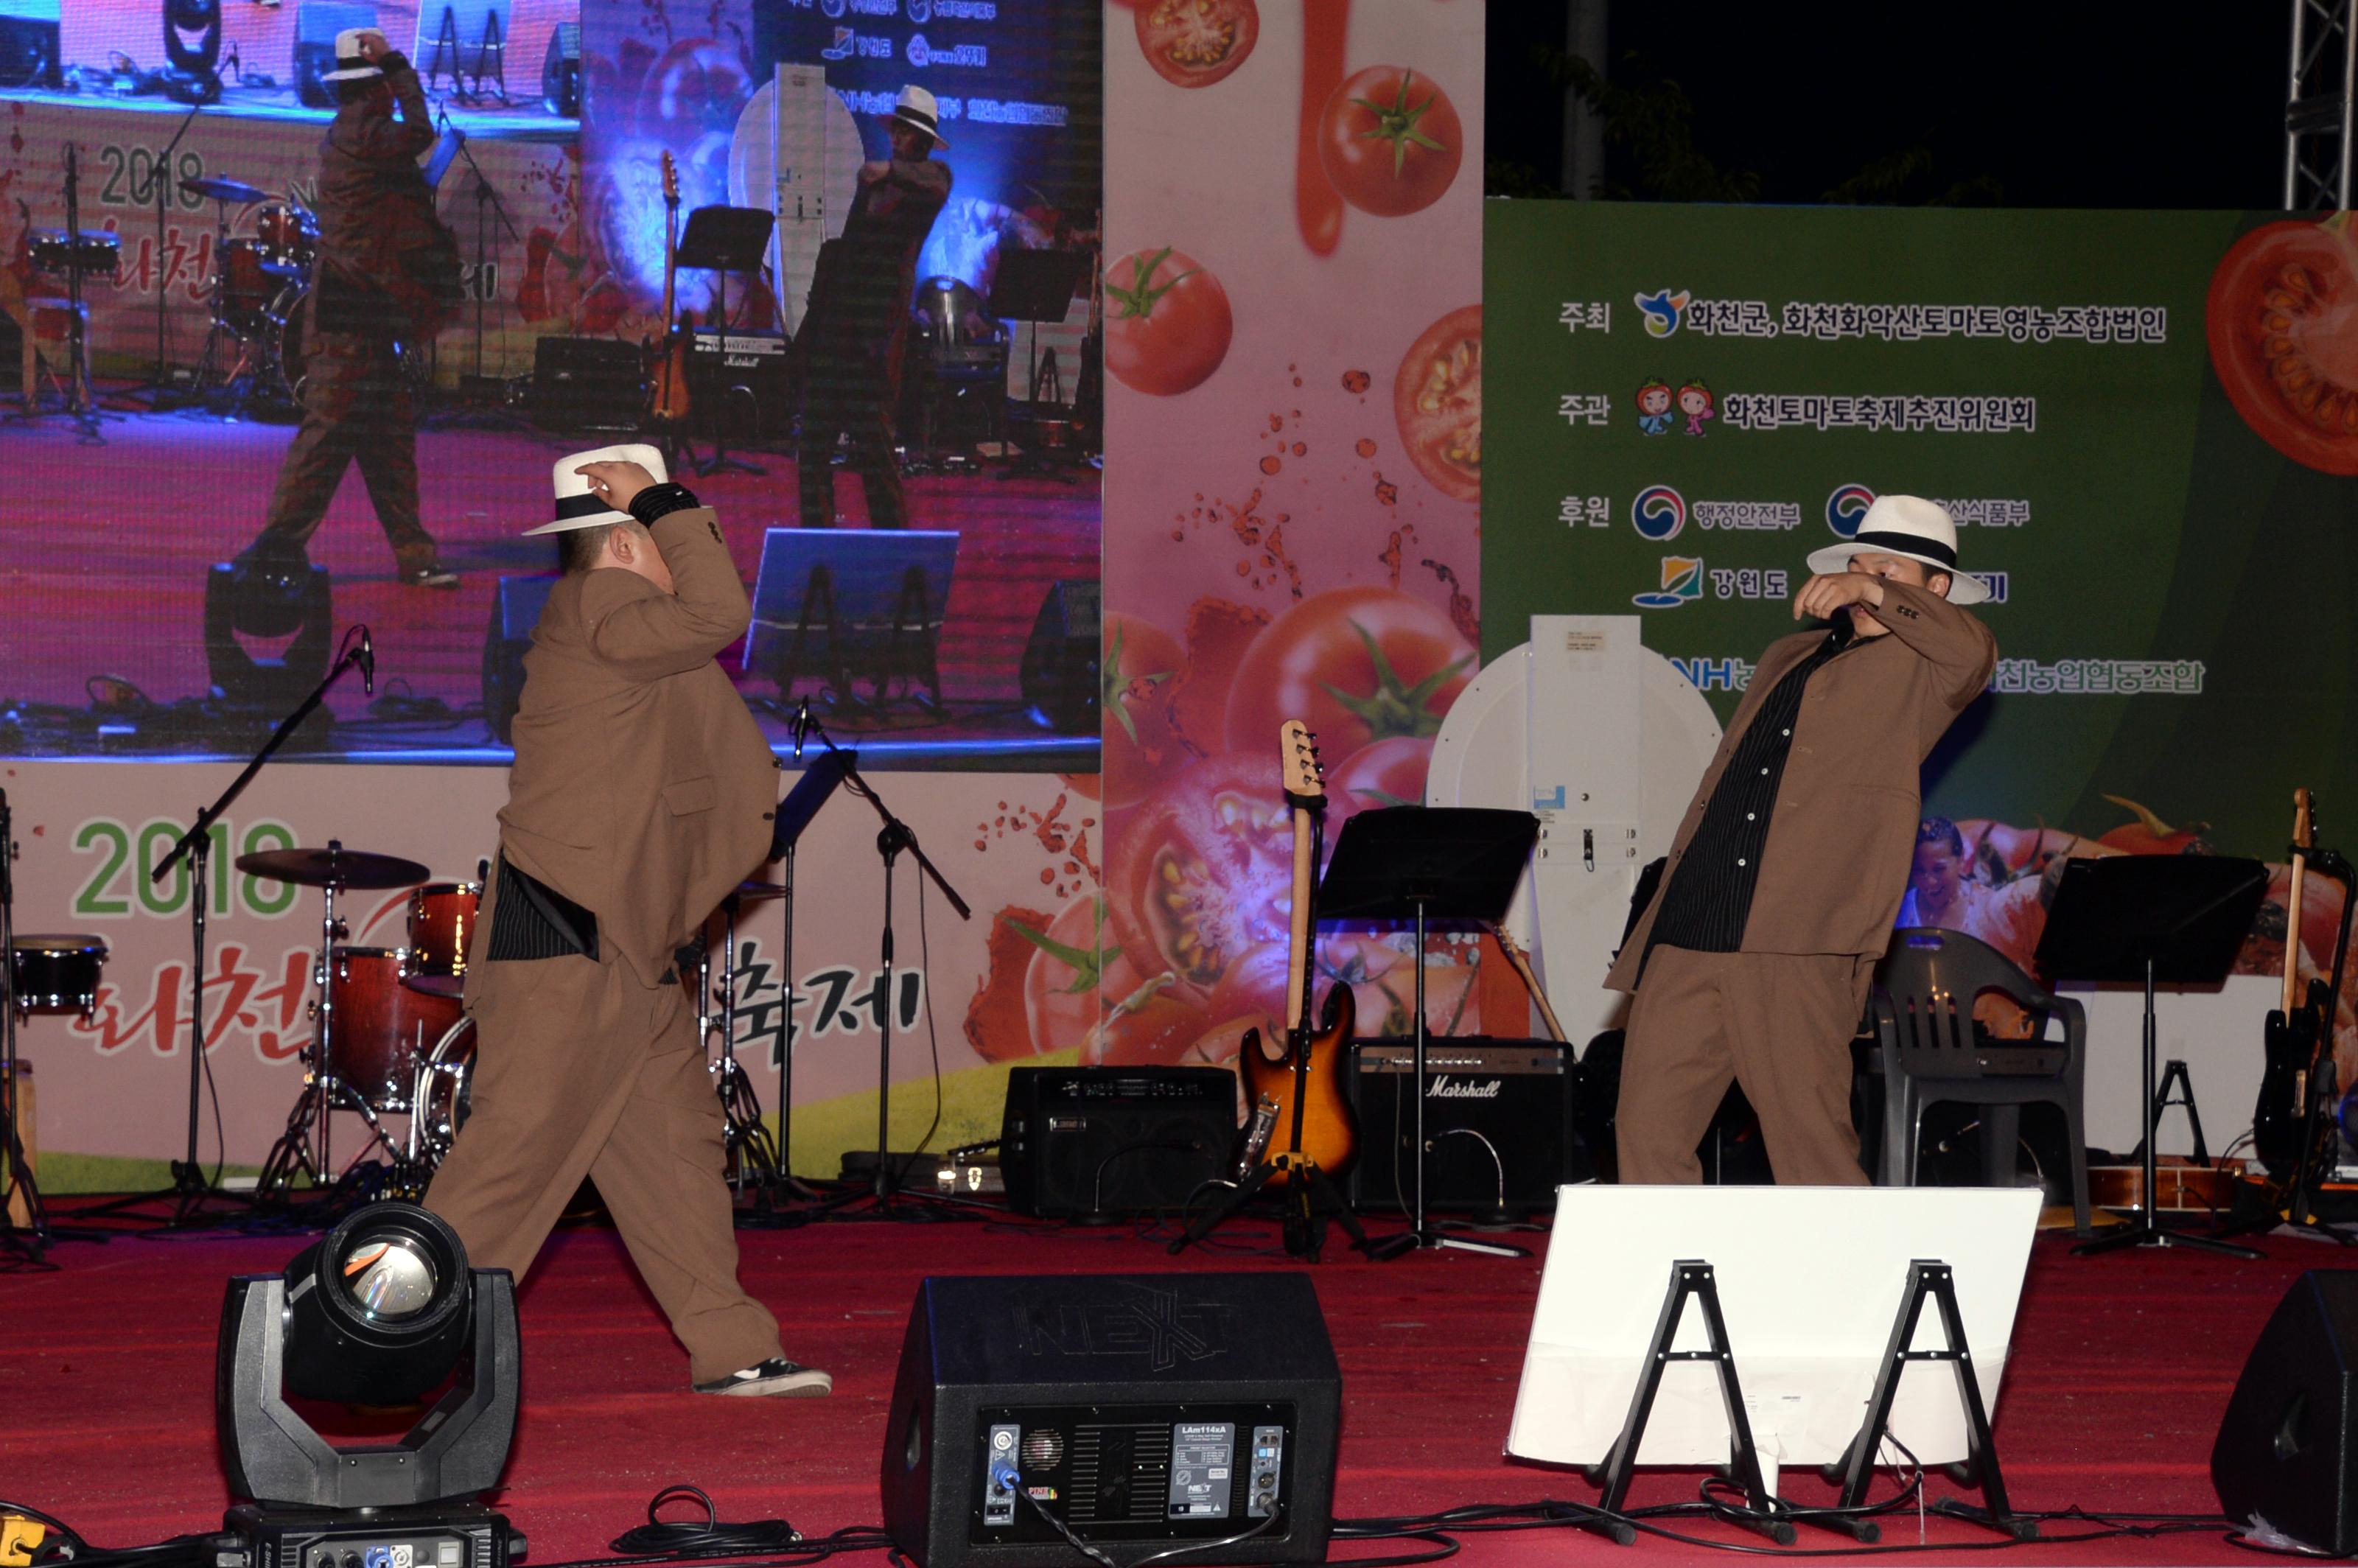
[(2284, 1449), (560, 71), (1100, 1141), (515, 610), (586, 384), (1497, 1125), (1059, 675), (28, 45), (1146, 1412)]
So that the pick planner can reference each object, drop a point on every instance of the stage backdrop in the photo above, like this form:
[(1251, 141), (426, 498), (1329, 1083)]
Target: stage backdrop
[(2144, 424)]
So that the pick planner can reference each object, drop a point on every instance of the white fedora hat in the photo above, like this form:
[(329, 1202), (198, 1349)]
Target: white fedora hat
[(1906, 526), (916, 106), (350, 65), (578, 506)]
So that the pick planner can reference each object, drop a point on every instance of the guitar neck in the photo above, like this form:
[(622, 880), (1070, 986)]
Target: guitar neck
[(1301, 926), (2292, 934)]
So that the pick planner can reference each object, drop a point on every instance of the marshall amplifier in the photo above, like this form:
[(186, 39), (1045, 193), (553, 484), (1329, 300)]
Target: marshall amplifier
[(1099, 1142), (1497, 1125), (738, 381)]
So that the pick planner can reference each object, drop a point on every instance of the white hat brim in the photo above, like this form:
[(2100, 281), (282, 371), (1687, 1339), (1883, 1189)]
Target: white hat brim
[(1963, 588), (357, 73), (567, 524)]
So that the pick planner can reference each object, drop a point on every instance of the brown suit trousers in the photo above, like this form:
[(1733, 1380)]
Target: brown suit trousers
[(582, 1069), (1781, 1023)]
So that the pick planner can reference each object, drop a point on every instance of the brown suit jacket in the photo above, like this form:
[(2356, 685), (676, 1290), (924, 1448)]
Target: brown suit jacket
[(1835, 865), (643, 789), (374, 204)]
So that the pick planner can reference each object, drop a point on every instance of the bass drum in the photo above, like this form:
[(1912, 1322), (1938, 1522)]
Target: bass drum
[(439, 1100)]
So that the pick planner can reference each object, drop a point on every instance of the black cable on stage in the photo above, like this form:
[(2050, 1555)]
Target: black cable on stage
[(710, 1539)]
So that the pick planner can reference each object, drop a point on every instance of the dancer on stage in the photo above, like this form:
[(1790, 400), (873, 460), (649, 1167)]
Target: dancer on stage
[(642, 792), (368, 299), (853, 335), (1753, 960)]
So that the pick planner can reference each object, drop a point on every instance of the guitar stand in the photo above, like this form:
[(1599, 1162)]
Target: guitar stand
[(1310, 1203)]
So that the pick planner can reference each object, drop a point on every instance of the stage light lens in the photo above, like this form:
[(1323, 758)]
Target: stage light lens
[(378, 1311), (390, 1280)]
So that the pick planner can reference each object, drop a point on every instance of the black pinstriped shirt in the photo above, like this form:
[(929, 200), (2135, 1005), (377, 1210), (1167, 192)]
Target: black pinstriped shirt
[(1709, 897)]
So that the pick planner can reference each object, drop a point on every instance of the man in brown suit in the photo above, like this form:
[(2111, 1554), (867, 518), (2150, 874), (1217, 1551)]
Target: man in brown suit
[(642, 792), (370, 301), (1753, 960)]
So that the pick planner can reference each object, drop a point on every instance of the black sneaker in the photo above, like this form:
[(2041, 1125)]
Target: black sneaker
[(435, 575), (775, 1376)]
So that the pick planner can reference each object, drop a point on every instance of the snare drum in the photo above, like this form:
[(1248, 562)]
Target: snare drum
[(56, 974), (378, 1027), (441, 919)]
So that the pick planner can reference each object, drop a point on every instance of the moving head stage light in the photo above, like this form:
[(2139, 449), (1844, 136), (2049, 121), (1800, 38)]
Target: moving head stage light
[(383, 1310)]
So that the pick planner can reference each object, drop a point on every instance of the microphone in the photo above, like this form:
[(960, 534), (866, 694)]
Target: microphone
[(367, 660), (801, 727)]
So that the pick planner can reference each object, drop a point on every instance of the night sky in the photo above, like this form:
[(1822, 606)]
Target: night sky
[(2065, 103)]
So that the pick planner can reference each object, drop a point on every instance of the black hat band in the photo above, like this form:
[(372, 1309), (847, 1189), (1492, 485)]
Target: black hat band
[(571, 506), (918, 118), (352, 62), (1908, 544)]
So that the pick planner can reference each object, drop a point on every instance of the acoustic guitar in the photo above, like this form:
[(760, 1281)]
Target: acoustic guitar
[(668, 361), (2294, 1031), (1315, 1125)]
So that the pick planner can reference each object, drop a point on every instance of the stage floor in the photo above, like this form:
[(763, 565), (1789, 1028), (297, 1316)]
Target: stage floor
[(2121, 1367), (107, 573)]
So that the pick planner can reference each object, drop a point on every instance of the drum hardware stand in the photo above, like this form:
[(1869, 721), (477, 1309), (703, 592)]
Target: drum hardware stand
[(192, 1189), (896, 838), (31, 1239)]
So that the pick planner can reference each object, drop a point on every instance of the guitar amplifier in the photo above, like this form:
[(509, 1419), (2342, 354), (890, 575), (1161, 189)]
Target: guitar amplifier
[(1497, 1125), (588, 384), (738, 379), (1099, 1142)]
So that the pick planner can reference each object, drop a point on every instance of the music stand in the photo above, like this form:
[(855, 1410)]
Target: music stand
[(2165, 919), (853, 601), (1037, 286), (1426, 863), (812, 791), (724, 240)]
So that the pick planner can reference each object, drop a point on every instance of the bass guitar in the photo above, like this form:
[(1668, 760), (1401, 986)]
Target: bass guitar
[(2292, 1034), (668, 359), (1315, 1125)]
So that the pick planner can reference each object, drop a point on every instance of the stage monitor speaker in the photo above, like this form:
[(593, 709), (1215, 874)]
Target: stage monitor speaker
[(2288, 1448), (588, 384), (515, 610), (1147, 1413), (30, 45), (1060, 677), (560, 71), (1497, 1125), (1104, 1140), (316, 23)]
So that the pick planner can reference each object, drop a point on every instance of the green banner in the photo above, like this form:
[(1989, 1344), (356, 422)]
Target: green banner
[(2138, 421)]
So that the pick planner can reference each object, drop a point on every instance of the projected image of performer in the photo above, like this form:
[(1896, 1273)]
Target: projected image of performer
[(852, 334), (376, 220), (1753, 960), (642, 792)]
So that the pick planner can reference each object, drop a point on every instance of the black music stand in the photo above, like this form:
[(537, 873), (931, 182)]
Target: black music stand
[(723, 240), (1427, 863), (1037, 286), (2163, 920), (847, 603)]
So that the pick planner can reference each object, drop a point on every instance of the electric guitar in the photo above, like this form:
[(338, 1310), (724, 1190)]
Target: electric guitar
[(667, 371), (1315, 1126), (2293, 1031)]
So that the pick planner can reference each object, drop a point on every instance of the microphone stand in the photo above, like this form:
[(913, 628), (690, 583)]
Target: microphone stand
[(157, 382), (896, 838), (467, 419), (190, 1187)]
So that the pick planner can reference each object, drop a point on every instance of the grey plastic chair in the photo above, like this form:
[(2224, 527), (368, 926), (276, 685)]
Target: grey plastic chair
[(1923, 1007)]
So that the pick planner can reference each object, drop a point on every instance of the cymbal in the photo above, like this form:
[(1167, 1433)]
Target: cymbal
[(216, 188), (333, 868), (760, 890)]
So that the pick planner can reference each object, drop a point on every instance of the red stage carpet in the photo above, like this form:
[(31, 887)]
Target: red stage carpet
[(2122, 1367)]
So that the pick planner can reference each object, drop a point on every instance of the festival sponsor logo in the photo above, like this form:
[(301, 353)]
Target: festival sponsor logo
[(1986, 511), (1832, 321), (1750, 583), (1658, 512), (1707, 673), (923, 54), (846, 44), (1845, 506), (1769, 515), (1589, 511), (1590, 315), (2099, 677), (1966, 415), (881, 8), (1662, 310), (1681, 584)]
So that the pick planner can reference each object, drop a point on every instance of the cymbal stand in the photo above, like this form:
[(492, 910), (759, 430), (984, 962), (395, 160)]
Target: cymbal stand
[(32, 1238), (753, 1158), (158, 376), (303, 1146)]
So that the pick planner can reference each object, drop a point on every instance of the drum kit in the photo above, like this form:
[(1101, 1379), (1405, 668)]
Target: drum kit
[(262, 277), (388, 1034)]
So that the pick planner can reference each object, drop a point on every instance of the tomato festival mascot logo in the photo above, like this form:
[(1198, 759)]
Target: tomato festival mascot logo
[(1682, 582), (1654, 407), (1662, 310), (1658, 512), (1845, 506)]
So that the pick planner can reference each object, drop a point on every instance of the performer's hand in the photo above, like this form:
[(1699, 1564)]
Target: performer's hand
[(1823, 595), (373, 46), (616, 483)]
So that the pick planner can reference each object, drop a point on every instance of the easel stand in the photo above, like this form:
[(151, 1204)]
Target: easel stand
[(1037, 288), (1769, 1514), (1424, 863), (2161, 919), (911, 643)]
